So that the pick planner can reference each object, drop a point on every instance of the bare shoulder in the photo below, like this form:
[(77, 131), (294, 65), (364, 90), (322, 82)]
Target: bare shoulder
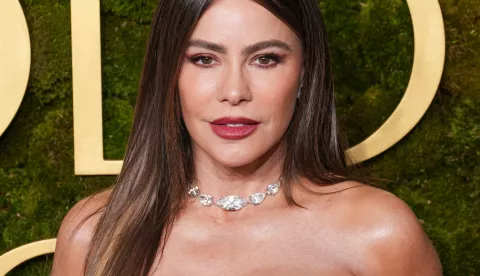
[(388, 233), (75, 234), (373, 231)]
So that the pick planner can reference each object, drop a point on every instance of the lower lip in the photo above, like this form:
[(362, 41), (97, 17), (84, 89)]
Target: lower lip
[(233, 133)]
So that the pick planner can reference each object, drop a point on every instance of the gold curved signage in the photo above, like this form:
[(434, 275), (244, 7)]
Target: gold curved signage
[(427, 69), (14, 60), (429, 57)]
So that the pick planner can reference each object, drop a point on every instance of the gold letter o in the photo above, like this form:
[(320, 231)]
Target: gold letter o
[(429, 56), (14, 60)]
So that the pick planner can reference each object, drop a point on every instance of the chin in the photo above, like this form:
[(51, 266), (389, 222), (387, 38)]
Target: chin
[(234, 158)]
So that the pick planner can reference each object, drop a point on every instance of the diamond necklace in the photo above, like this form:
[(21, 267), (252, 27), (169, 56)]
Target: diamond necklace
[(233, 202)]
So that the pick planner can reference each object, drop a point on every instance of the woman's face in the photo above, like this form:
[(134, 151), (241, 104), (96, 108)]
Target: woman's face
[(239, 81)]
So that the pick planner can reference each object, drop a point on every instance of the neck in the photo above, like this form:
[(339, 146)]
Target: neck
[(217, 180)]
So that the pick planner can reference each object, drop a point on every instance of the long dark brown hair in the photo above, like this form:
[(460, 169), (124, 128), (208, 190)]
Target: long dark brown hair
[(150, 190)]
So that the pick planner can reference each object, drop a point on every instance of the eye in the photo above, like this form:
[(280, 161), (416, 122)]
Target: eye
[(202, 61), (269, 60)]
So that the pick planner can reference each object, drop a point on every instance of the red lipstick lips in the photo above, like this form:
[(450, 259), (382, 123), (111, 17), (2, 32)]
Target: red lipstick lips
[(234, 128)]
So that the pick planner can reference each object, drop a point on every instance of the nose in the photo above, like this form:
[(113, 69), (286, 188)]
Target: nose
[(235, 86)]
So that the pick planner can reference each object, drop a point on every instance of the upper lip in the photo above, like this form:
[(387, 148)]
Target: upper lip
[(234, 120)]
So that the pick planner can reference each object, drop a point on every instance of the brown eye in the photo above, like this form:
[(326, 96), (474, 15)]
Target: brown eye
[(202, 61), (206, 60), (264, 60), (268, 60)]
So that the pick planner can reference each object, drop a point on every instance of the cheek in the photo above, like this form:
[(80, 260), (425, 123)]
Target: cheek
[(196, 91), (278, 89), (278, 99)]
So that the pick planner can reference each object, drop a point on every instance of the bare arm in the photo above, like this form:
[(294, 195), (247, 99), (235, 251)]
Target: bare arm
[(72, 246)]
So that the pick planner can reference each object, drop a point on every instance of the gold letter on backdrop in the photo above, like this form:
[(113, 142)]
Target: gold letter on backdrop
[(427, 70), (14, 60), (87, 91)]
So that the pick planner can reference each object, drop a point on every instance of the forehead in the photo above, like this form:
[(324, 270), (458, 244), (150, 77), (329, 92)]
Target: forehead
[(240, 22)]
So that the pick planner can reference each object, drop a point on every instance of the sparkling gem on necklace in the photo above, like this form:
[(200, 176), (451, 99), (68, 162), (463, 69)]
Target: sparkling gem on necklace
[(205, 199), (230, 203), (194, 191), (256, 198), (273, 188)]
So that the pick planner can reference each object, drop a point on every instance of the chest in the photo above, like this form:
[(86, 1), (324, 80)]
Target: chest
[(272, 247)]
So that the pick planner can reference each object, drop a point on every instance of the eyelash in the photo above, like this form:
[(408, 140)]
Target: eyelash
[(270, 55)]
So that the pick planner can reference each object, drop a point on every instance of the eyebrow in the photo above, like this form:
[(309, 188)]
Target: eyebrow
[(250, 49)]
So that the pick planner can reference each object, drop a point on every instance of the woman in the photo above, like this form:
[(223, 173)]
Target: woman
[(236, 95)]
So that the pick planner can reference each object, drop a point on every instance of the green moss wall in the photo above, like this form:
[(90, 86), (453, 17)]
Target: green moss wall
[(435, 169)]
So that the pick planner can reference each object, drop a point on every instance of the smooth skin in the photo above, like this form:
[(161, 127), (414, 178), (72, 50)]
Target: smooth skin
[(352, 229)]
